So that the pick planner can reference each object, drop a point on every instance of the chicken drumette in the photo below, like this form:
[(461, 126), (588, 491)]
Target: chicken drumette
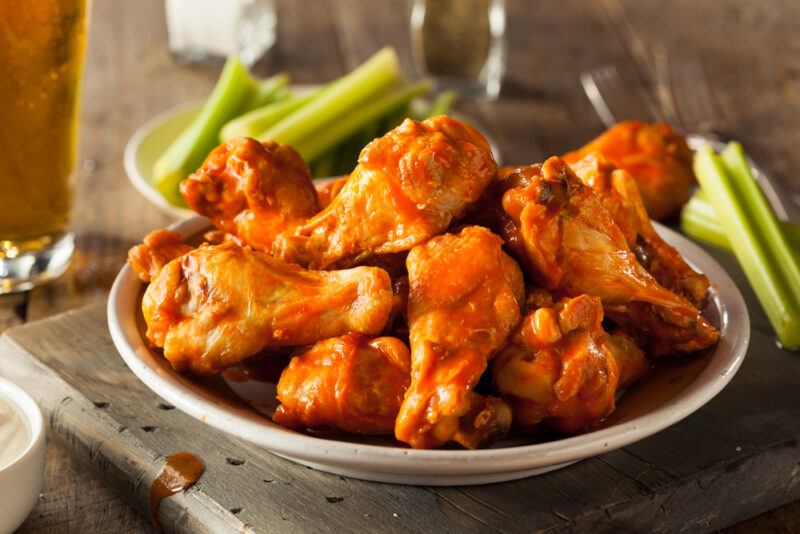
[(216, 305), (407, 187), (252, 190), (465, 297), (570, 244), (659, 160), (562, 368), (620, 196), (353, 383)]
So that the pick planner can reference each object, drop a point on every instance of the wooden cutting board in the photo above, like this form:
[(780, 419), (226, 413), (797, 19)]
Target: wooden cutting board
[(737, 457)]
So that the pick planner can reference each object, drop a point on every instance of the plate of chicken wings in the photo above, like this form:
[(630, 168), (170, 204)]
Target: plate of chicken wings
[(432, 318)]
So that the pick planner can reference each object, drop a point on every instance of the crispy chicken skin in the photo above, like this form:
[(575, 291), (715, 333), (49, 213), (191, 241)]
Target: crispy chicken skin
[(464, 299), (158, 248), (656, 156), (619, 195), (407, 187), (252, 190), (563, 369), (216, 305), (570, 244), (352, 383)]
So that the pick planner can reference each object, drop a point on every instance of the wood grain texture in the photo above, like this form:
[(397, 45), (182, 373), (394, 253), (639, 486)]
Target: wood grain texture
[(750, 49)]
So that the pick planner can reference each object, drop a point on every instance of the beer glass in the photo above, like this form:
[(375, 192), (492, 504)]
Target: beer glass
[(42, 45)]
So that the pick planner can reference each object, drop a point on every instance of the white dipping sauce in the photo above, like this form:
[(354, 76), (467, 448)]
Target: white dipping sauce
[(15, 435)]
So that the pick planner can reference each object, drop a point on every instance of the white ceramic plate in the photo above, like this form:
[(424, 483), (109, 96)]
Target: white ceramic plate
[(675, 392), (149, 141)]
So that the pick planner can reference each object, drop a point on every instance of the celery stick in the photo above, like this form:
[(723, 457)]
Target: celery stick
[(753, 232), (700, 221), (340, 98), (442, 104), (697, 225), (231, 95), (273, 89), (349, 124), (251, 124)]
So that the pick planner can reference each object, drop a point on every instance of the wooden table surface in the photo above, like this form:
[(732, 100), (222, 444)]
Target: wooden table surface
[(751, 51)]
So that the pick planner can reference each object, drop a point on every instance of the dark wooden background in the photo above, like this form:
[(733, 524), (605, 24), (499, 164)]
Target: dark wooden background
[(751, 51)]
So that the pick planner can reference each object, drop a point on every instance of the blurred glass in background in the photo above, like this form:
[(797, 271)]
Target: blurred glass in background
[(201, 30), (460, 44), (42, 45)]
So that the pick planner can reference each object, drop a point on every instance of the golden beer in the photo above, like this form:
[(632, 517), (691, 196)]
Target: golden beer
[(42, 44)]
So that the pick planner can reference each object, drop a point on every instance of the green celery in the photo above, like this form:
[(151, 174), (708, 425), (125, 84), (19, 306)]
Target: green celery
[(235, 90), (340, 99), (273, 89), (442, 104), (347, 125), (700, 221), (252, 123), (751, 226)]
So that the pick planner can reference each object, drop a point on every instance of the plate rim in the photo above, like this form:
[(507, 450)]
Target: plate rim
[(722, 366)]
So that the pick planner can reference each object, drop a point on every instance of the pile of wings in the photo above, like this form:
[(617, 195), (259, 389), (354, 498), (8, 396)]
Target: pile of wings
[(430, 294)]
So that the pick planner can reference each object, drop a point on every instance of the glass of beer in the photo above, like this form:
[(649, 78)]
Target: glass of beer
[(42, 45)]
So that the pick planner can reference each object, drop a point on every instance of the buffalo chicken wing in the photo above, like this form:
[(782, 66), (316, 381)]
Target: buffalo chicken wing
[(620, 196), (252, 190), (571, 245), (216, 305), (464, 299), (658, 159), (407, 187), (352, 383), (561, 369)]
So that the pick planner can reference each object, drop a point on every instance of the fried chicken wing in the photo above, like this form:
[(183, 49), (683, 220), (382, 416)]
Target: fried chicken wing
[(620, 196), (569, 244), (656, 156), (216, 305), (353, 383), (158, 248), (562, 368), (252, 190), (407, 187), (464, 299)]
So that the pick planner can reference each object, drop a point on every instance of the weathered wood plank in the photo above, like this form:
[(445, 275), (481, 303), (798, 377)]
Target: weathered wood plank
[(69, 484)]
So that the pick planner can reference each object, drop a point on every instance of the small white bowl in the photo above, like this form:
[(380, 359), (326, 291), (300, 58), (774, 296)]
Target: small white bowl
[(21, 480)]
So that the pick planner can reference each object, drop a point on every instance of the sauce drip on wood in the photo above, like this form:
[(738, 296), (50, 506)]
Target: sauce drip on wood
[(180, 472)]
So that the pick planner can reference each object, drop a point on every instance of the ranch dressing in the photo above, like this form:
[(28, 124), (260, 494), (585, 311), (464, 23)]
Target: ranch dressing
[(15, 435)]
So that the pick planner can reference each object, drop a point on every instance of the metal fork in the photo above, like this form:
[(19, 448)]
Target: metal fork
[(685, 100), (684, 90), (615, 96)]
